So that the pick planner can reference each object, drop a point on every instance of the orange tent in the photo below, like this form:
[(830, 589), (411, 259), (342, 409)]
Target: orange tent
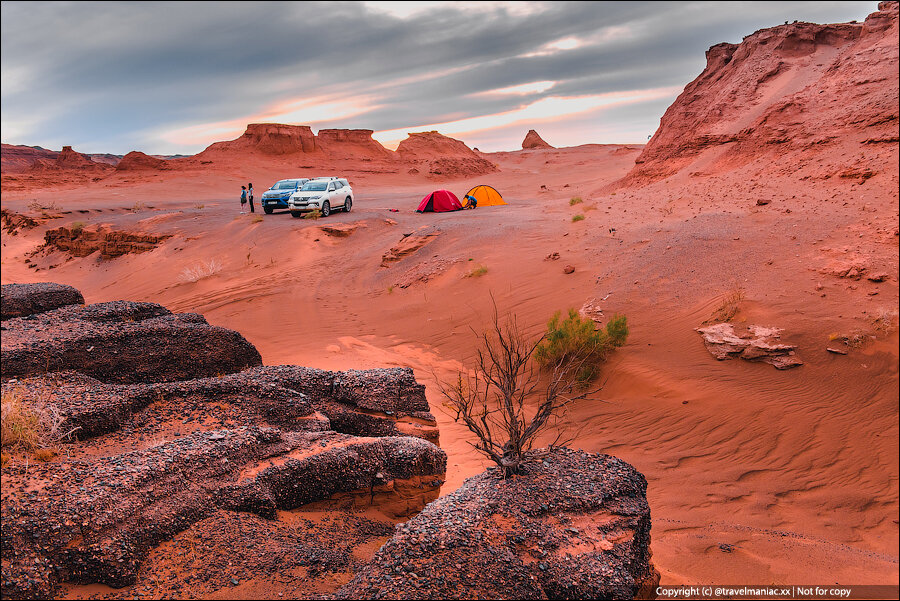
[(486, 196)]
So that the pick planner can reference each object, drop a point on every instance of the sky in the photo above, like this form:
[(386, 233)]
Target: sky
[(169, 78)]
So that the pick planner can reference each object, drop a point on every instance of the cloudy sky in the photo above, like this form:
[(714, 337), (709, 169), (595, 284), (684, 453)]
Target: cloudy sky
[(170, 78)]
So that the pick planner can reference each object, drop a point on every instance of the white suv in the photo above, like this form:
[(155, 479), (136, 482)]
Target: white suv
[(323, 194)]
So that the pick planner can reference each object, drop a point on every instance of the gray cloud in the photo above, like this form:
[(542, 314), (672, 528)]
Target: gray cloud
[(101, 76)]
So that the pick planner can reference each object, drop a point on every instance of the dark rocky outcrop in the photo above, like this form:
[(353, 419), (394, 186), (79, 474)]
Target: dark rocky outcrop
[(95, 519), (130, 465), (533, 140), (574, 526), (19, 300), (124, 342)]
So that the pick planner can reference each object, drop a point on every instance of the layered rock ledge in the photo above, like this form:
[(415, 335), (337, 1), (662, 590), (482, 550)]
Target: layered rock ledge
[(139, 455), (575, 526), (122, 341), (20, 300)]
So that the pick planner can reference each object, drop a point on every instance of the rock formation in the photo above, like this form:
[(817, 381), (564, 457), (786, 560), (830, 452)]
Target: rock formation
[(533, 140), (81, 242), (442, 156), (758, 344), (575, 526), (352, 144), (138, 161), (68, 159), (790, 90), (139, 463), (122, 341), (267, 138), (19, 300)]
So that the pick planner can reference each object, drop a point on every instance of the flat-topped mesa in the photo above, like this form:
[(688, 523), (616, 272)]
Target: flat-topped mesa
[(267, 138), (574, 525), (794, 88), (443, 156), (533, 140), (138, 161), (352, 144)]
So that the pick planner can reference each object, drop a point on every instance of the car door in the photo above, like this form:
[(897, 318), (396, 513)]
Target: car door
[(332, 197)]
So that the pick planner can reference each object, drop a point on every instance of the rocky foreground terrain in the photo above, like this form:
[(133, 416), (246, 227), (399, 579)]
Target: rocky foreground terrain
[(151, 451)]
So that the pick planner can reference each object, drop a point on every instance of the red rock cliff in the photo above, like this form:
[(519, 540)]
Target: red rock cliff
[(790, 89), (533, 140)]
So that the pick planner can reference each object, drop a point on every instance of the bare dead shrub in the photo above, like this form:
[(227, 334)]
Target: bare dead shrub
[(885, 320), (507, 401)]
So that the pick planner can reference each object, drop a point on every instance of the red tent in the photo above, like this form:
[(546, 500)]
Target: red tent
[(439, 201)]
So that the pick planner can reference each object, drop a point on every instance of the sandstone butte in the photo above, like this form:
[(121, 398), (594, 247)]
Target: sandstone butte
[(774, 174), (533, 140)]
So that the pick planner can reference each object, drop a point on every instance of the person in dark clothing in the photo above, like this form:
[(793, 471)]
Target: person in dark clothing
[(250, 197), (243, 198)]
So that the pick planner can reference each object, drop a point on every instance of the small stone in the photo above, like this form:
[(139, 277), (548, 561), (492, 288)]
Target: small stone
[(837, 351), (568, 269)]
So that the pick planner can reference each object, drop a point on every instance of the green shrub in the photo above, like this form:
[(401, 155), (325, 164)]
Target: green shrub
[(574, 341), (575, 200), (477, 272), (314, 214), (577, 218)]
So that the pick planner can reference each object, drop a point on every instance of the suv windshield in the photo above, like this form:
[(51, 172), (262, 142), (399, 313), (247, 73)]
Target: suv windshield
[(284, 186), (314, 186)]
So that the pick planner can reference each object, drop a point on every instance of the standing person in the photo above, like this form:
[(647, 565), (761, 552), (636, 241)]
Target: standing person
[(243, 198), (250, 197)]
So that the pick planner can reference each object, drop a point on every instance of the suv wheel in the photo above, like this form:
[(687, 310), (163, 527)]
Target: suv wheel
[(326, 209), (348, 204), (296, 214), (268, 210)]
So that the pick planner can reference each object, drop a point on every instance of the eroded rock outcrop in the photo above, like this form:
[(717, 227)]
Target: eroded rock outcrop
[(123, 341), (69, 160), (442, 156), (95, 519), (138, 161), (795, 88), (574, 526), (19, 300), (136, 464), (352, 144), (757, 344), (83, 241), (266, 138), (533, 140)]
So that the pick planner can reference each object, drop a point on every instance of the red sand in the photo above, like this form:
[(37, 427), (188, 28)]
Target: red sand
[(797, 470)]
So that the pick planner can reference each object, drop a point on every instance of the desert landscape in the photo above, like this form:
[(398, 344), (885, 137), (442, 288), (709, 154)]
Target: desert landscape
[(752, 243)]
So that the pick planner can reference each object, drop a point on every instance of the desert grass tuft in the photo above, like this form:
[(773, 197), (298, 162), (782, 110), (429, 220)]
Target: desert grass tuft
[(36, 428), (256, 219), (77, 226), (729, 307), (477, 272), (577, 218), (575, 200), (201, 270), (314, 214)]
